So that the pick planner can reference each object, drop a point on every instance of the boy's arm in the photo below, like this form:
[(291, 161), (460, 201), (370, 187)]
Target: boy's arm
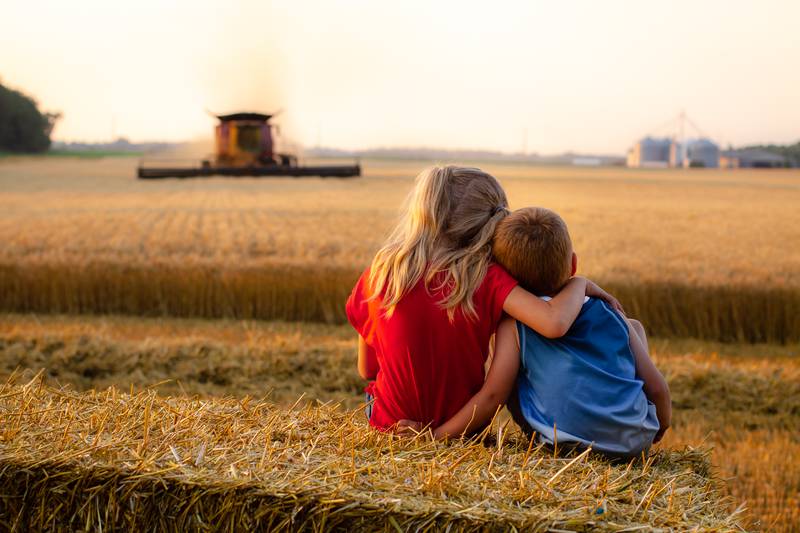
[(367, 363), (495, 390), (552, 318), (655, 386)]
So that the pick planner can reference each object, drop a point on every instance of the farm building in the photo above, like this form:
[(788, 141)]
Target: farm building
[(752, 158), (650, 152), (665, 152), (696, 153)]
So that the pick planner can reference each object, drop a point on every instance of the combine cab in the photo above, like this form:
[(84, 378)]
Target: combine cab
[(244, 147)]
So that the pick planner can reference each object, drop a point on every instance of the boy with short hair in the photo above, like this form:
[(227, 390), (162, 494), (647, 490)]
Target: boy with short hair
[(595, 386)]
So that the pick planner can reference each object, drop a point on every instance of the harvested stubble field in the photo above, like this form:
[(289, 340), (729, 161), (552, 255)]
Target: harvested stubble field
[(741, 399), (112, 461), (705, 254)]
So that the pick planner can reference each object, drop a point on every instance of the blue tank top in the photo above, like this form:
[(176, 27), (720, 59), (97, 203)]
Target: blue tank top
[(584, 385)]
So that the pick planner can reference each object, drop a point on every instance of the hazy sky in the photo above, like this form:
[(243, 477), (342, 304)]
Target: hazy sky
[(584, 75)]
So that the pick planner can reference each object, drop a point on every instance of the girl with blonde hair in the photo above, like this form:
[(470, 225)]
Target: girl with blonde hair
[(427, 307)]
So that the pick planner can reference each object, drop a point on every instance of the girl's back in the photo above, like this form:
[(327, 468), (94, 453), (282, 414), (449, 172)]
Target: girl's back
[(429, 364), (429, 303)]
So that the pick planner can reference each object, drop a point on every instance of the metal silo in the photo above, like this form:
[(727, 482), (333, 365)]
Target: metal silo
[(702, 153), (654, 151)]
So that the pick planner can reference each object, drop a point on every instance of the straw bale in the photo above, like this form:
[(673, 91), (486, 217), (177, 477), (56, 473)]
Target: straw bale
[(109, 460)]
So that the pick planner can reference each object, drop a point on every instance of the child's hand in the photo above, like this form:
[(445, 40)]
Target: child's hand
[(660, 434), (594, 290), (407, 427)]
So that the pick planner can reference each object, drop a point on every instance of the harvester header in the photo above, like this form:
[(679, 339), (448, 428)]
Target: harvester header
[(244, 147)]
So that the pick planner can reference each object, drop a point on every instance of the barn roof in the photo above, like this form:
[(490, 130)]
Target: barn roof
[(751, 154), (260, 117)]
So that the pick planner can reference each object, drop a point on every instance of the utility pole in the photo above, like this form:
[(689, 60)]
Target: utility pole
[(524, 141), (682, 129)]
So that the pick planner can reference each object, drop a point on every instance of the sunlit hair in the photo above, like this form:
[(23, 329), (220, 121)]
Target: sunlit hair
[(444, 237)]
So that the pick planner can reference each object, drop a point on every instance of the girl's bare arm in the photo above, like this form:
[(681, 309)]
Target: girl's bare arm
[(480, 409), (552, 318), (367, 364)]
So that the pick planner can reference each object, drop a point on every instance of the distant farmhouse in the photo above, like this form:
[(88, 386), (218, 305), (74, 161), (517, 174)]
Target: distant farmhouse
[(677, 151), (752, 158)]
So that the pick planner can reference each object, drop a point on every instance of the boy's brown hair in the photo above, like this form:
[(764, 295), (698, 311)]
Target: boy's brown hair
[(533, 244)]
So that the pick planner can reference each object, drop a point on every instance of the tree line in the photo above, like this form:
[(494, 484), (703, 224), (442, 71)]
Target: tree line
[(23, 127)]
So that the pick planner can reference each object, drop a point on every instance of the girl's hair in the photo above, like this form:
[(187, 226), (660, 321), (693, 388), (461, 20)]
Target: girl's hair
[(447, 228)]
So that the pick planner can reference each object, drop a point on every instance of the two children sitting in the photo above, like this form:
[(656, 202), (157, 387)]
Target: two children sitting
[(459, 268)]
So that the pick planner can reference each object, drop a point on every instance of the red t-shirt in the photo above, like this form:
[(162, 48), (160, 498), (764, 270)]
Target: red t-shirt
[(429, 367)]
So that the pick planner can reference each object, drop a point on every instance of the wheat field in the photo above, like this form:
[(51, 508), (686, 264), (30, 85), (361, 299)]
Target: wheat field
[(708, 260), (710, 254), (700, 227)]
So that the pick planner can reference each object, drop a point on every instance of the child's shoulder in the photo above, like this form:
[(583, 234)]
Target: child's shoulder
[(588, 317), (597, 325), (497, 284), (601, 313), (496, 274), (497, 269)]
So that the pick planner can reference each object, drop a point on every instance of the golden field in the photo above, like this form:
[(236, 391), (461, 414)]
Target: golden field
[(708, 254), (742, 399), (699, 227)]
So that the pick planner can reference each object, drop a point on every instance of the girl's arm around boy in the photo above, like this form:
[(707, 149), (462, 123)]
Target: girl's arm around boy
[(553, 318)]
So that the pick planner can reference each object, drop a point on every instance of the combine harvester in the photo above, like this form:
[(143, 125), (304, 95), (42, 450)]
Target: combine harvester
[(245, 148)]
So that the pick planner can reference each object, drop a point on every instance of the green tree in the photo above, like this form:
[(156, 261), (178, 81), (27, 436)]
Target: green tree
[(23, 128)]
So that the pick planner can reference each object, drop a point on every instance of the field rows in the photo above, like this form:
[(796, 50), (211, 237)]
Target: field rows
[(701, 254), (742, 399), (701, 229)]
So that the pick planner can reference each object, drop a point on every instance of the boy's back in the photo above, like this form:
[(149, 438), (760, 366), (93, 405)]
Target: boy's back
[(582, 388)]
